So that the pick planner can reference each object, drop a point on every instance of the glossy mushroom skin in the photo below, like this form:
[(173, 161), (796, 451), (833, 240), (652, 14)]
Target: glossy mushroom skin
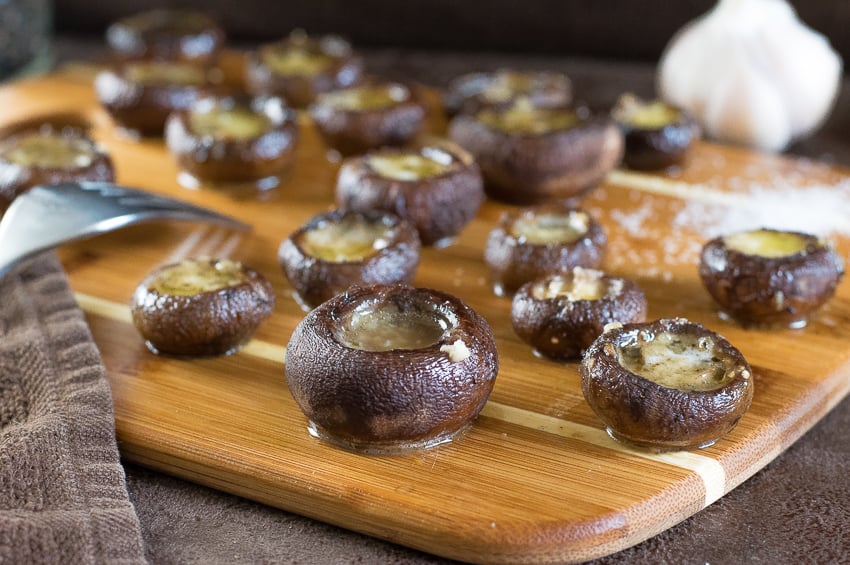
[(648, 415), (343, 69), (561, 328), (439, 205), (473, 92), (221, 158), (393, 400), (513, 261), (205, 323), (141, 105), (174, 35), (531, 168), (658, 142), (352, 131), (759, 291), (316, 280), (23, 165)]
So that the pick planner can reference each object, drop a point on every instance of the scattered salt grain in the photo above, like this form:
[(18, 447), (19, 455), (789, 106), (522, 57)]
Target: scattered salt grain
[(697, 213), (819, 210), (633, 222)]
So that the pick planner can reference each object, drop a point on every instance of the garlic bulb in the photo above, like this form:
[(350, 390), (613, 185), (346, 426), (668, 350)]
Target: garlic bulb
[(751, 73)]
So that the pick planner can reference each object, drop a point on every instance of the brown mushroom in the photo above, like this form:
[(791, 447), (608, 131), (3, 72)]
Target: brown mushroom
[(201, 307), (530, 155), (301, 67), (388, 369), (471, 93), (562, 314), (530, 243), (139, 95), (174, 35), (770, 278), (223, 140), (47, 155), (357, 119), (338, 249), (666, 385), (657, 134), (436, 186)]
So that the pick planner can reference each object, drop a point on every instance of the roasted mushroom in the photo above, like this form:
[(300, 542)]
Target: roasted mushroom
[(437, 186), (47, 156), (388, 369), (666, 385), (301, 67), (222, 140), (530, 243), (657, 135), (201, 307), (471, 93), (357, 119), (140, 95), (529, 155), (562, 314), (338, 249), (172, 35), (770, 278)]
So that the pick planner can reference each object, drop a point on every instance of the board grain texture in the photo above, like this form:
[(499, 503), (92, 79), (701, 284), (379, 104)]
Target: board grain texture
[(536, 479)]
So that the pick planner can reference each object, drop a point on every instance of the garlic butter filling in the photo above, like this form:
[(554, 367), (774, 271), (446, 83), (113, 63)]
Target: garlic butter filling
[(522, 118), (350, 239), (386, 327), (551, 228), (653, 116), (407, 166), (297, 61), (681, 362), (766, 243), (165, 73), (191, 277), (49, 151), (365, 98), (584, 284), (229, 123)]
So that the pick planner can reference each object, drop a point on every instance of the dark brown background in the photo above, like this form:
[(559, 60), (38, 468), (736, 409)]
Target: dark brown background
[(606, 46), (631, 29)]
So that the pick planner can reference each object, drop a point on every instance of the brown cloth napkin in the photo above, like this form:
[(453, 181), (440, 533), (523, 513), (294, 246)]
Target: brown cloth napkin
[(63, 498)]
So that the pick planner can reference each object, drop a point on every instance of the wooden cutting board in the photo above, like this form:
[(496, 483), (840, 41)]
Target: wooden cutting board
[(536, 479)]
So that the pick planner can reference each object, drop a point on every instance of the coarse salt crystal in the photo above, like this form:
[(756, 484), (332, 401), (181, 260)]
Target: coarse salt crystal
[(818, 210)]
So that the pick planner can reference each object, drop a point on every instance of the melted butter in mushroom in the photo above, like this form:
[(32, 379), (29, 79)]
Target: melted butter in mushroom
[(551, 228), (353, 238), (507, 85), (192, 277), (165, 73), (523, 118), (585, 284), (229, 123), (49, 152), (364, 98), (766, 243), (410, 166), (645, 115), (295, 60), (385, 327), (682, 362)]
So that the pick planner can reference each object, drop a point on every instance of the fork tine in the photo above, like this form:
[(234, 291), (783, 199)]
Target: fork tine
[(49, 215)]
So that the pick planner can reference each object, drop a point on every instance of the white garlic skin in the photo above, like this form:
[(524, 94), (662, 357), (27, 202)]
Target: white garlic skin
[(751, 73)]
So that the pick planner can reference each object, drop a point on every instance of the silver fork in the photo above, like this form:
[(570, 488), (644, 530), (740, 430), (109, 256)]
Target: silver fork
[(50, 215)]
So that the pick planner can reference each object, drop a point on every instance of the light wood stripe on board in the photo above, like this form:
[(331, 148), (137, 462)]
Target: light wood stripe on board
[(710, 471), (674, 189)]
